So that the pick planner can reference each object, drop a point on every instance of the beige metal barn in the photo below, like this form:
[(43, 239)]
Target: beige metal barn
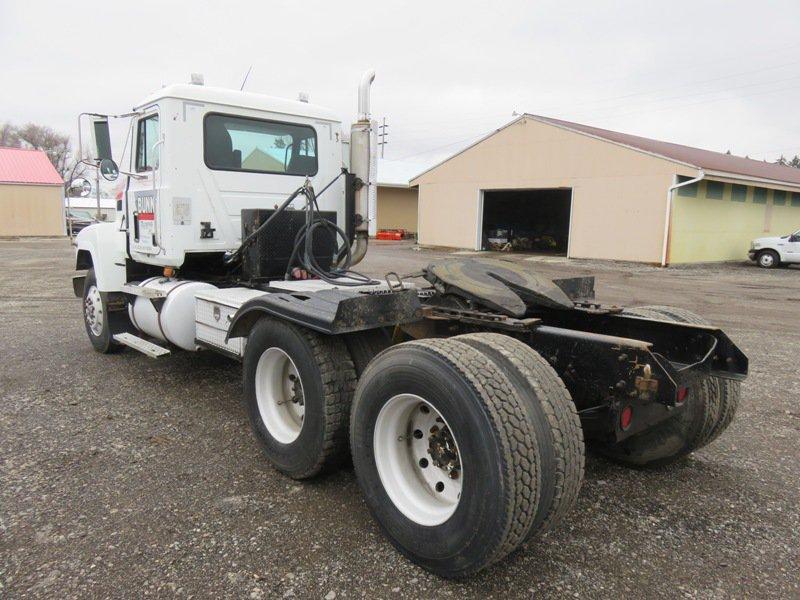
[(547, 185), (396, 199), (31, 194)]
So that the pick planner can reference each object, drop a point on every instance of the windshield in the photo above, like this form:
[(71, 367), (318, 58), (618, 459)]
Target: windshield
[(81, 214)]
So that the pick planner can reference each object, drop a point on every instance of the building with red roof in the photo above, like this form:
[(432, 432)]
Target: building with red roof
[(31, 194)]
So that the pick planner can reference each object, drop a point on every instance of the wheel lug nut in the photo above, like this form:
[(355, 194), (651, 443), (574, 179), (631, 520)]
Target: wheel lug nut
[(423, 462), (440, 487), (418, 434)]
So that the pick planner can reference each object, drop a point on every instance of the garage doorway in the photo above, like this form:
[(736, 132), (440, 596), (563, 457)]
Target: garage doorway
[(535, 221)]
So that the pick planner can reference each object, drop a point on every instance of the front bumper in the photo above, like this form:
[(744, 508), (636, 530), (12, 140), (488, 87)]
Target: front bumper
[(751, 255)]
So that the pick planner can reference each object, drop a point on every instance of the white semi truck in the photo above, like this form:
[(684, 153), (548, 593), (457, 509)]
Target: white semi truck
[(464, 397)]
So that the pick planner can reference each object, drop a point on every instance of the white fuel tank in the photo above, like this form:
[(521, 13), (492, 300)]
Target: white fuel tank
[(175, 322)]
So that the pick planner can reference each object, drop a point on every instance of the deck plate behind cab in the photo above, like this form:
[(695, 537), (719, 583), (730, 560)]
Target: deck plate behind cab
[(498, 284)]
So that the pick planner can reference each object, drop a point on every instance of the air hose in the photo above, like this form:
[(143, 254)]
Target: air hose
[(302, 256)]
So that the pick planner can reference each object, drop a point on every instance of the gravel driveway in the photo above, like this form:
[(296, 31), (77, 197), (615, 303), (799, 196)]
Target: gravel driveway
[(125, 476)]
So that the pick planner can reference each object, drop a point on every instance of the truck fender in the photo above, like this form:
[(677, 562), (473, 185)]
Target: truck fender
[(332, 312), (102, 247), (243, 322)]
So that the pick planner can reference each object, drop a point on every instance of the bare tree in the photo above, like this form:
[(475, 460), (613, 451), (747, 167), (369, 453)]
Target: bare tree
[(794, 162), (8, 136), (55, 145)]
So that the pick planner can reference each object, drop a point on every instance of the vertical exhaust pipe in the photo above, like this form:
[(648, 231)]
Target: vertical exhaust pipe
[(363, 164)]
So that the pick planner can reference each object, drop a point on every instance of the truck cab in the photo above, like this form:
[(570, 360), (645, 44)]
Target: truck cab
[(771, 252), (195, 157), (203, 154)]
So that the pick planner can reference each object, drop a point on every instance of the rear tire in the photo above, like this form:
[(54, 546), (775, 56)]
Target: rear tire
[(553, 417), (709, 409), (366, 345), (298, 386), (768, 259), (497, 466), (729, 391)]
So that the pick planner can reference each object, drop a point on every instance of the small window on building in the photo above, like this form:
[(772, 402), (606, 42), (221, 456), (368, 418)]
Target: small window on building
[(147, 134), (688, 191), (738, 193), (259, 146), (715, 190), (759, 195), (796, 199), (778, 197)]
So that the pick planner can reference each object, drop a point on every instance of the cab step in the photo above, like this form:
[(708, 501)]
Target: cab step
[(149, 348)]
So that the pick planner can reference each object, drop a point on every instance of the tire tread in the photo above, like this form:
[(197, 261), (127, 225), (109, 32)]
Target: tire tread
[(728, 392), (520, 460), (563, 423)]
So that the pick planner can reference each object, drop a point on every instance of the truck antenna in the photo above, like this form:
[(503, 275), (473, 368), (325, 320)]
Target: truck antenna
[(245, 77)]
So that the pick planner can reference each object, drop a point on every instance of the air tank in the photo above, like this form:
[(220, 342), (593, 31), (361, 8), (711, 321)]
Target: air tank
[(175, 322)]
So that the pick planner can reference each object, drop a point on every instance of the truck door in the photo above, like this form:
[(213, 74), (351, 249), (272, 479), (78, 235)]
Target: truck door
[(792, 248), (143, 213)]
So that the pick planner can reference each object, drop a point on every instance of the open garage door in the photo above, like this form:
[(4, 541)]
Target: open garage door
[(527, 220)]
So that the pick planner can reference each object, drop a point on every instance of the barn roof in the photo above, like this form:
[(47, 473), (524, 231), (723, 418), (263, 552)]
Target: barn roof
[(20, 165), (398, 173), (714, 163), (707, 160)]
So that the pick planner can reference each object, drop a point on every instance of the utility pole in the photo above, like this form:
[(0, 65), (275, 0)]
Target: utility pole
[(383, 135)]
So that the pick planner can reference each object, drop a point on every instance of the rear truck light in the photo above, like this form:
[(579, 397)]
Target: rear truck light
[(683, 392), (626, 417)]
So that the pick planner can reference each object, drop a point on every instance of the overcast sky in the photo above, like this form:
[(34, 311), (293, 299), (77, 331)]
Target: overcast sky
[(719, 75)]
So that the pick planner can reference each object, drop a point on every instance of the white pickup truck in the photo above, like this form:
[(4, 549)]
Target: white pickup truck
[(770, 252)]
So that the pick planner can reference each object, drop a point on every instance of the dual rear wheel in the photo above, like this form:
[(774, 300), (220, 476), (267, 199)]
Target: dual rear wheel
[(709, 409), (464, 447)]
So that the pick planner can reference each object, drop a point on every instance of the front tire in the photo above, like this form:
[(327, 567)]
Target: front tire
[(100, 322), (768, 259), (298, 386), (444, 455)]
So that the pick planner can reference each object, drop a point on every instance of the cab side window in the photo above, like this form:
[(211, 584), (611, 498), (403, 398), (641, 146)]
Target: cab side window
[(147, 134), (233, 143)]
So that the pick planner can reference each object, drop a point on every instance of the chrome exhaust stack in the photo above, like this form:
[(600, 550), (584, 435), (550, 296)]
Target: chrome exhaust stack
[(363, 164)]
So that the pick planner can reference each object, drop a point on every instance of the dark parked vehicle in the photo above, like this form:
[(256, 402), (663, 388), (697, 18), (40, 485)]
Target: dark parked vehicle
[(79, 220)]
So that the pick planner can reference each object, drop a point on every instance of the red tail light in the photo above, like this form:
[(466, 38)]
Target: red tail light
[(625, 417), (682, 394)]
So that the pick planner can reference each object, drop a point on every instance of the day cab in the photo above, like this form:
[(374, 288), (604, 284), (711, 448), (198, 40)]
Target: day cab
[(197, 156)]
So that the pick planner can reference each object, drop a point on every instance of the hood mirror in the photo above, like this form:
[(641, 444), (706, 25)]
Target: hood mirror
[(109, 169), (80, 187)]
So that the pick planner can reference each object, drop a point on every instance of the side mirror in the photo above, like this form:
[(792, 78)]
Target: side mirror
[(101, 138), (80, 187), (109, 169)]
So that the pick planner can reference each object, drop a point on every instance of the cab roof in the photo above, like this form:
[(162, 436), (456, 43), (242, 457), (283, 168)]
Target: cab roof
[(238, 99)]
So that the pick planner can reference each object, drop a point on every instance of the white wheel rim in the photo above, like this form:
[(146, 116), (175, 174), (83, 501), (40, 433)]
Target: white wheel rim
[(93, 311), (279, 393), (422, 483), (766, 260)]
